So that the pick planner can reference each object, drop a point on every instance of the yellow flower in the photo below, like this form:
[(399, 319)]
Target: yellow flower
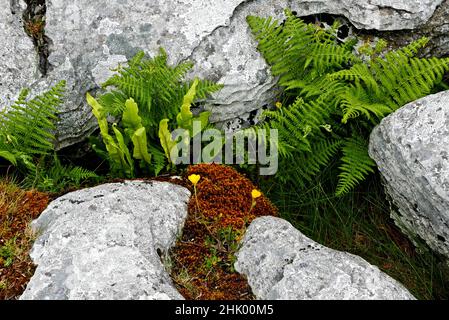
[(278, 105), (194, 178), (256, 194)]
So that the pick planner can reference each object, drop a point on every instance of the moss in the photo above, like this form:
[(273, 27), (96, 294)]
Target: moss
[(203, 258), (17, 209)]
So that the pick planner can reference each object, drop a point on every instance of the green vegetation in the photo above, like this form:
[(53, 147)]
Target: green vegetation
[(150, 98), (333, 95), (8, 252), (359, 222), (27, 142), (222, 248), (336, 96)]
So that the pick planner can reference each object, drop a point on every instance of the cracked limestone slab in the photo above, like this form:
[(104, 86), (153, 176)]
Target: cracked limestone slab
[(411, 150), (104, 243), (382, 15), (94, 36), (283, 264), (18, 59)]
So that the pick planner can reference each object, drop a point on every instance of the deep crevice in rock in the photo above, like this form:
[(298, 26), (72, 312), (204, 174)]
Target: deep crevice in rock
[(34, 25), (235, 12)]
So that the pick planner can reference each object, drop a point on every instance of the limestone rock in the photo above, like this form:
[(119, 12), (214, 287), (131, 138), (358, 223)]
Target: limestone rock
[(18, 63), (103, 242), (411, 149), (281, 263), (382, 15), (94, 36), (88, 38)]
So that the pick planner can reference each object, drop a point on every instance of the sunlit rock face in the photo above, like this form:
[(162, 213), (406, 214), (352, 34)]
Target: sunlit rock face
[(411, 149), (103, 243), (281, 263)]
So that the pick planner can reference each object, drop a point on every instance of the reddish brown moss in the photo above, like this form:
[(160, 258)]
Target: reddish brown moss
[(204, 256), (17, 209)]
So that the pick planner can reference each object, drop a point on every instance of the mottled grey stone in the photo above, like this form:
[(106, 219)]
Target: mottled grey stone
[(18, 59), (94, 36), (75, 118), (281, 263), (88, 38), (103, 242), (382, 15), (411, 149)]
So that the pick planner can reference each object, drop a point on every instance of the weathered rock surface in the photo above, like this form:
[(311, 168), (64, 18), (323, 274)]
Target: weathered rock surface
[(89, 37), (281, 263), (102, 242), (18, 63), (95, 36), (381, 15), (436, 29), (411, 149)]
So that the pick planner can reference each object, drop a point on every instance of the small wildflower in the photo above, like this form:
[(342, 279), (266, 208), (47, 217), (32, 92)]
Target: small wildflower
[(194, 178), (255, 194), (278, 105)]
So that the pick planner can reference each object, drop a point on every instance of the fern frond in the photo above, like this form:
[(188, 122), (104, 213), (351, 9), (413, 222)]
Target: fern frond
[(410, 50), (28, 125), (325, 56), (356, 101), (418, 78), (158, 159), (78, 174), (52, 176), (359, 73), (270, 37), (304, 166)]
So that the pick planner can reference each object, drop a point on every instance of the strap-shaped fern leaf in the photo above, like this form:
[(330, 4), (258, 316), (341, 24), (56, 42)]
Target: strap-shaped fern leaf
[(157, 87)]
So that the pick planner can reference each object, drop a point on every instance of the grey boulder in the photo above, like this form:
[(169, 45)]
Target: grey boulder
[(18, 59), (281, 263), (411, 149), (103, 243)]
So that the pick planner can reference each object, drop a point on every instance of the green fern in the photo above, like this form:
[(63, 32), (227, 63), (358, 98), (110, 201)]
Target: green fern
[(148, 98), (52, 176), (303, 167), (337, 96), (157, 87), (356, 164), (26, 128), (27, 141)]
